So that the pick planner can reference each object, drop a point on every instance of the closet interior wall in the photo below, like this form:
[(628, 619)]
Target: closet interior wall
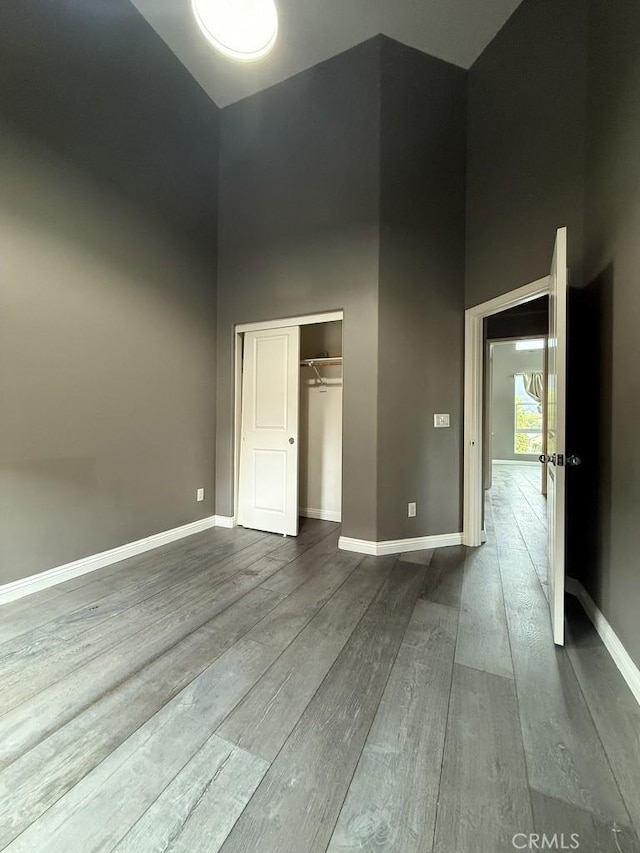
[(320, 472)]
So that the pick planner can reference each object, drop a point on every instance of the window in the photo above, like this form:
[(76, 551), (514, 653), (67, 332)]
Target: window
[(528, 420), (530, 344)]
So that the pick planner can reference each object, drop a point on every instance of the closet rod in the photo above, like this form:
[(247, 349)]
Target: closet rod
[(314, 363)]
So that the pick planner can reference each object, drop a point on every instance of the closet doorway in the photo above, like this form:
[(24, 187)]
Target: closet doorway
[(288, 422)]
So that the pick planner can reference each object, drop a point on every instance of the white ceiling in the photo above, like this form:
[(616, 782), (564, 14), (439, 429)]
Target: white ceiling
[(314, 30)]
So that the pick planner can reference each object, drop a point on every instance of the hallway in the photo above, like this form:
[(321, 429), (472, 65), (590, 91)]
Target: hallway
[(516, 513)]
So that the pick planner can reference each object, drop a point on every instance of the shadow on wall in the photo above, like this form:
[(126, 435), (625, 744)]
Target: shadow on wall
[(75, 77), (589, 431)]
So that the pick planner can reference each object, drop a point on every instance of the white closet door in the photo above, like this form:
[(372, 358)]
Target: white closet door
[(268, 494)]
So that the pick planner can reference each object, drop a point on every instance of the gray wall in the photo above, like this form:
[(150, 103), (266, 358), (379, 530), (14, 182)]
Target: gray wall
[(550, 145), (505, 362), (107, 309), (526, 132), (344, 188), (96, 84), (299, 234), (613, 310), (421, 292)]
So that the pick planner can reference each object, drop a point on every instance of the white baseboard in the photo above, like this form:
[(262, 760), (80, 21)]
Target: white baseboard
[(34, 583), (398, 546), (225, 521), (620, 655), (322, 514)]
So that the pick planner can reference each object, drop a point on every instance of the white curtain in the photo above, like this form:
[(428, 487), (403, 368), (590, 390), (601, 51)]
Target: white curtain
[(534, 385)]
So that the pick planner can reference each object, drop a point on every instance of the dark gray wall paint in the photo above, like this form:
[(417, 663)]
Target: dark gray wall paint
[(299, 223), (612, 306), (96, 84), (344, 188), (526, 127), (550, 145), (107, 308), (421, 292)]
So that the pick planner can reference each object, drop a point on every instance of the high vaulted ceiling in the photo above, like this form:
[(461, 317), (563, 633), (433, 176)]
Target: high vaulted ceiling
[(314, 30)]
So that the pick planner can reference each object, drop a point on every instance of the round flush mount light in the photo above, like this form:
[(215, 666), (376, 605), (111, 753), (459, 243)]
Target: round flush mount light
[(241, 29)]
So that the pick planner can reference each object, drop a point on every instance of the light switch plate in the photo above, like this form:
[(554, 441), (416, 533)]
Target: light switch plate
[(441, 421), (199, 494)]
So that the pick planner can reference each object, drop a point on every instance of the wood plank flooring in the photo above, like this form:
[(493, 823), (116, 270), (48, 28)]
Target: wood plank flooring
[(240, 692)]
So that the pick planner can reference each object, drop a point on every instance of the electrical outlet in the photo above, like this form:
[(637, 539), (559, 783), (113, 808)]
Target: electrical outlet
[(200, 494), (412, 509), (441, 421)]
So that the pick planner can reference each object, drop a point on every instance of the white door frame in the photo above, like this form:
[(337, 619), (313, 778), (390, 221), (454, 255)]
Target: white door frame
[(472, 533), (239, 330)]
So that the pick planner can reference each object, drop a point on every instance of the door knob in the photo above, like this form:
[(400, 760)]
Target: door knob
[(292, 441), (559, 460)]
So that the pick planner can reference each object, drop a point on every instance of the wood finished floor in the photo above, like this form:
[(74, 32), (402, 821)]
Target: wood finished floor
[(240, 692)]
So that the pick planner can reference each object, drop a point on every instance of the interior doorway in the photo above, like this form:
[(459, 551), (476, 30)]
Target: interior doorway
[(556, 459), (288, 422), (480, 327), (515, 392), (515, 389)]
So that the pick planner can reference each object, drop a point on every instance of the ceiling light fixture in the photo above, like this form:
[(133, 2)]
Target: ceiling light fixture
[(241, 29)]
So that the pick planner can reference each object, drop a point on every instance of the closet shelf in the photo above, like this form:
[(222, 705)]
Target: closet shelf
[(320, 362), (315, 363)]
